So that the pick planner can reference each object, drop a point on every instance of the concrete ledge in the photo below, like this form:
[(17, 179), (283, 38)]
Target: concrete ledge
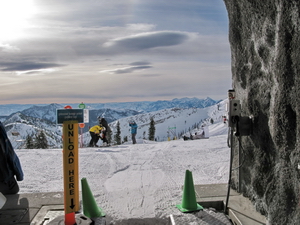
[(22, 208), (29, 209), (240, 209)]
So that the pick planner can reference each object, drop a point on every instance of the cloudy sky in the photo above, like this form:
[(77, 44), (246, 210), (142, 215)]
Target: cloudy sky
[(69, 51)]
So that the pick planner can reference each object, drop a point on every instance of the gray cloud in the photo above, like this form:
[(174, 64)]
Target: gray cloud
[(128, 69), (25, 66), (148, 40), (139, 63), (8, 48)]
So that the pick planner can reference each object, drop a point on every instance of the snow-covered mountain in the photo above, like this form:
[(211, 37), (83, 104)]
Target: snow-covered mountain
[(48, 112), (143, 106), (169, 122), (148, 106), (8, 109), (19, 126), (173, 123)]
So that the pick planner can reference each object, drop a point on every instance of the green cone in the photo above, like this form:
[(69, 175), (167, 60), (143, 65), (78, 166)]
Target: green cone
[(90, 208), (189, 203)]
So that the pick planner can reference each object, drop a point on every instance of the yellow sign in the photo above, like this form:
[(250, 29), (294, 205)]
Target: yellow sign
[(70, 166)]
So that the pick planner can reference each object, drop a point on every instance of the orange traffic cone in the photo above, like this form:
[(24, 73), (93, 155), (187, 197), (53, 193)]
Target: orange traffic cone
[(189, 203)]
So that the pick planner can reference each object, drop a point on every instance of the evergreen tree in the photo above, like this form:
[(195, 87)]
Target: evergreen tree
[(29, 142), (118, 134), (152, 130), (125, 139), (41, 141)]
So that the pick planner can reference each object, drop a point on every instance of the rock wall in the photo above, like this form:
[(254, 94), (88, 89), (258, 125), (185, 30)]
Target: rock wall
[(265, 39)]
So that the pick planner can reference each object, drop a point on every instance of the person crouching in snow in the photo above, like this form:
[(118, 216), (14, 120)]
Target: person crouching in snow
[(133, 126), (95, 135)]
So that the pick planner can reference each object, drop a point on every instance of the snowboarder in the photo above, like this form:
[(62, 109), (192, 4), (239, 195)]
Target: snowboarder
[(103, 123), (10, 165), (95, 135), (133, 126)]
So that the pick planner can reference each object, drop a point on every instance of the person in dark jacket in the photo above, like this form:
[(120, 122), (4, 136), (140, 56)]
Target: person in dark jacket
[(133, 126), (10, 166), (103, 123)]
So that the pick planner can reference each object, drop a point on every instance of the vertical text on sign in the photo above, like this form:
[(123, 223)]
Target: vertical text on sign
[(70, 159)]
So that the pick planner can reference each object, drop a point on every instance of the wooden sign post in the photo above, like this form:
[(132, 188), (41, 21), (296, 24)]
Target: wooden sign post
[(70, 118), (70, 165)]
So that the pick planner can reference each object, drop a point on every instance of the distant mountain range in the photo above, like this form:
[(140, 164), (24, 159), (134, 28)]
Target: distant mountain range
[(30, 119), (140, 107), (148, 106)]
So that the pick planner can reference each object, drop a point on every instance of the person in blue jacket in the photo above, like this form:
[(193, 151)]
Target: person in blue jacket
[(10, 166), (133, 126)]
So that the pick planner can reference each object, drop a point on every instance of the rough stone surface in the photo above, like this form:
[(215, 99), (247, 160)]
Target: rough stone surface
[(264, 38)]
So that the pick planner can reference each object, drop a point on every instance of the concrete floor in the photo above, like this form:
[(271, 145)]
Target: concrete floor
[(40, 208)]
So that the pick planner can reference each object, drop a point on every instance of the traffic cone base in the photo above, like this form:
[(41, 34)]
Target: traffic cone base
[(189, 203), (184, 210), (90, 208)]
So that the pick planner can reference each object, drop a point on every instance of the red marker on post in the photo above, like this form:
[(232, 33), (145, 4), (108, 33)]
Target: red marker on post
[(70, 219)]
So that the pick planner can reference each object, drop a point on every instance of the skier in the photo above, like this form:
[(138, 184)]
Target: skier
[(95, 135), (133, 126), (103, 123)]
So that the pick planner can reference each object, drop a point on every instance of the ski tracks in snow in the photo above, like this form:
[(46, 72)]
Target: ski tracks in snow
[(134, 168), (145, 180)]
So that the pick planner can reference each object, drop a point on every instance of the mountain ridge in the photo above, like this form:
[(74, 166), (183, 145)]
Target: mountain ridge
[(140, 106)]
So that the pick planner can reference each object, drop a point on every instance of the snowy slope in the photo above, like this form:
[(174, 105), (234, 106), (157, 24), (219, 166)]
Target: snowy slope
[(133, 182), (184, 120)]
